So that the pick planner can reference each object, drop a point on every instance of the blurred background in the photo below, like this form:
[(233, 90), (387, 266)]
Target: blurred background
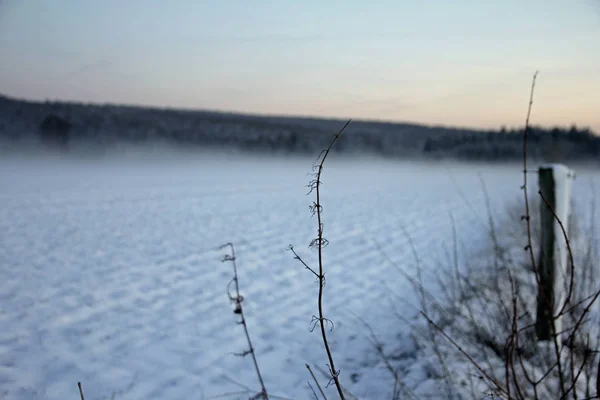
[(465, 63)]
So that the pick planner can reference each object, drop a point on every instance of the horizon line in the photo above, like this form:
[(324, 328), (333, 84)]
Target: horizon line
[(256, 114)]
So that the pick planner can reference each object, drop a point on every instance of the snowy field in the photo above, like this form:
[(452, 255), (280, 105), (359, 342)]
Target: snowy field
[(110, 272)]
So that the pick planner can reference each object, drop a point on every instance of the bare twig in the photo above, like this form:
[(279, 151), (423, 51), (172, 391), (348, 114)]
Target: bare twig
[(527, 218), (316, 382), (347, 393), (585, 312), (531, 373), (80, 390), (312, 389), (237, 299), (496, 384), (557, 352), (398, 382), (320, 242), (570, 252), (527, 215), (297, 257), (423, 300), (575, 377), (598, 380)]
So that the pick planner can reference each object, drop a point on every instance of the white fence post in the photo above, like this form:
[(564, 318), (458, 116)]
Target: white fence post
[(555, 186)]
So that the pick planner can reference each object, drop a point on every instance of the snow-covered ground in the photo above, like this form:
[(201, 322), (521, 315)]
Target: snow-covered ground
[(110, 271)]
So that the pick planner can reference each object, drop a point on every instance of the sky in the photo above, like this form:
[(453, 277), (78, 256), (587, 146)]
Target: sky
[(455, 63)]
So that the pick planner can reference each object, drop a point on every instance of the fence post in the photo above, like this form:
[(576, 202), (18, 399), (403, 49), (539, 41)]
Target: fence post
[(555, 186)]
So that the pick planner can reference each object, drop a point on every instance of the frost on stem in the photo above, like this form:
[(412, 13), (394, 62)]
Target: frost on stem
[(319, 243)]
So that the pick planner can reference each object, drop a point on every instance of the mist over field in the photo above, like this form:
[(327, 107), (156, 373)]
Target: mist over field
[(92, 130)]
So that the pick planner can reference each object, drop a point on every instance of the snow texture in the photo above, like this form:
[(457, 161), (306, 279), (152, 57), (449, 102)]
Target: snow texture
[(110, 272)]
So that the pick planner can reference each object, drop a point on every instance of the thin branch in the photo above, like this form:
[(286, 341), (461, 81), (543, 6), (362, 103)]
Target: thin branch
[(386, 360), (464, 353), (312, 389), (557, 352), (570, 252), (568, 310), (586, 311), (320, 242), (297, 257), (80, 390), (527, 216), (316, 382), (575, 377), (237, 299), (598, 380), (347, 393)]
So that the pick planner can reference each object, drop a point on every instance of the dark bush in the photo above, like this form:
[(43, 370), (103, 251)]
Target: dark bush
[(54, 131)]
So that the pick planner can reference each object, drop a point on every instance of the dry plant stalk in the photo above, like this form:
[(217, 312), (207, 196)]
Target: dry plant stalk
[(319, 243), (527, 216), (80, 390), (316, 382), (556, 336), (519, 383), (237, 299)]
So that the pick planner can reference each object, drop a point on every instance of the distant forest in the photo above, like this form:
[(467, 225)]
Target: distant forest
[(73, 127)]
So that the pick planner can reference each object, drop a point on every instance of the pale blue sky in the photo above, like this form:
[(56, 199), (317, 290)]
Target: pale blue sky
[(461, 62)]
